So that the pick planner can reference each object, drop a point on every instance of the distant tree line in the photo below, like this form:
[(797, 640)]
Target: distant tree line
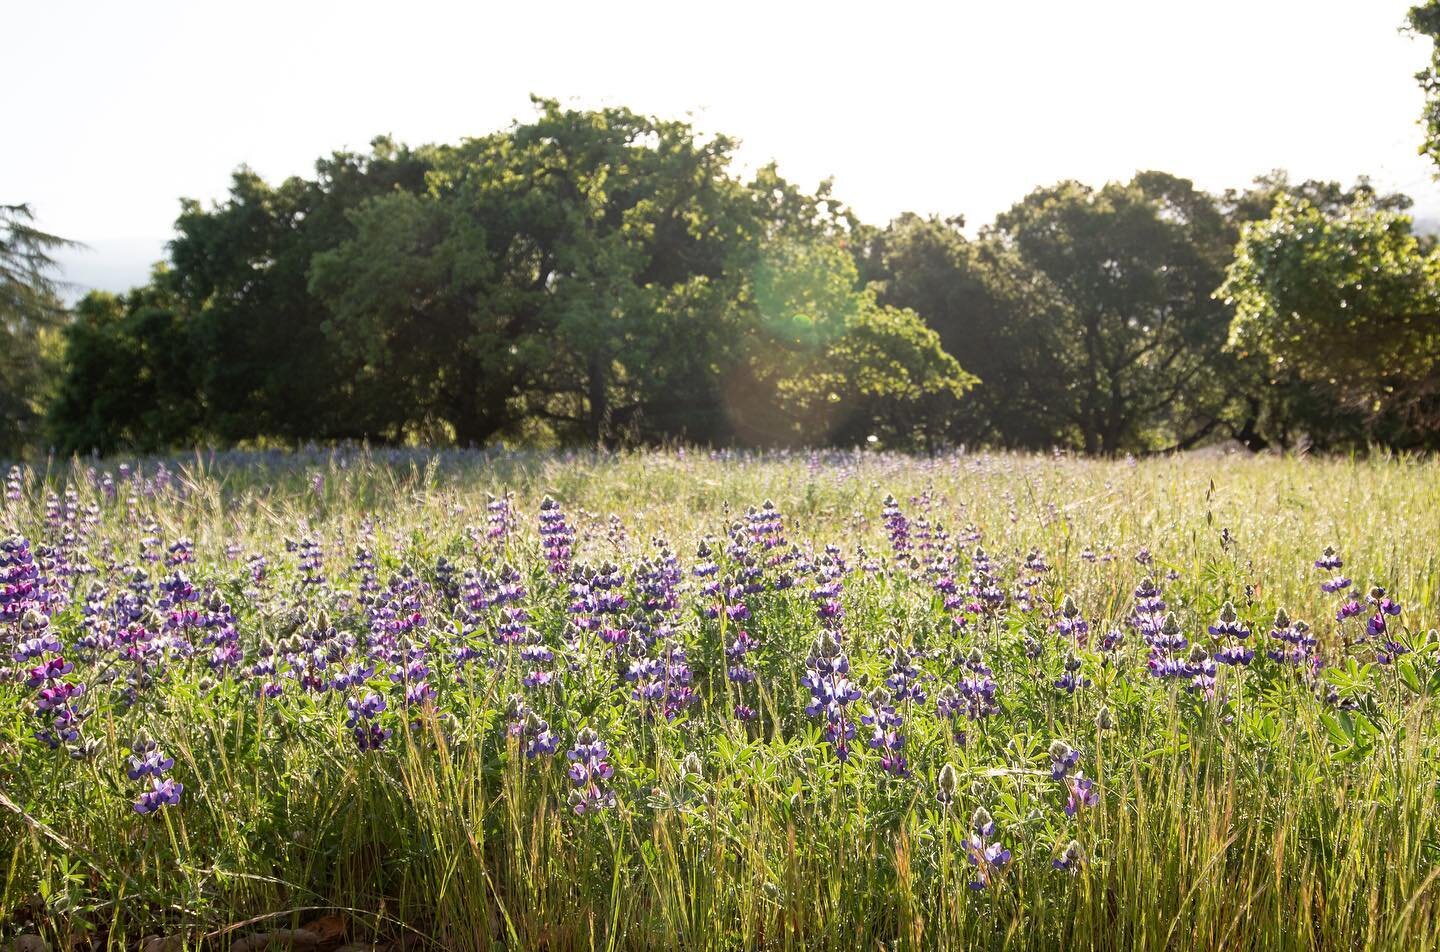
[(602, 277), (588, 277), (1119, 319)]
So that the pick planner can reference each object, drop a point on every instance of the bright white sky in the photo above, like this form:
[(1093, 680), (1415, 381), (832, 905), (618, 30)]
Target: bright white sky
[(115, 110)]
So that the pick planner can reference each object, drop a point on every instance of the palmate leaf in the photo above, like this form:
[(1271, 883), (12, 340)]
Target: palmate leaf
[(1340, 731), (1405, 670)]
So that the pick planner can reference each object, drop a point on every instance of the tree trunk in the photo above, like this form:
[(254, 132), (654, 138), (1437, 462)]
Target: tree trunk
[(1247, 433), (599, 403)]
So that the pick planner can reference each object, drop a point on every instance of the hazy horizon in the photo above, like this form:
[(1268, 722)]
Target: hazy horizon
[(948, 112)]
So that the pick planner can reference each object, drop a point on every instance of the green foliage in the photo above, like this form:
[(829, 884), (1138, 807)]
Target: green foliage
[(240, 270), (1348, 300), (830, 365), (605, 278), (131, 378), (1424, 19), (576, 269), (1086, 313), (603, 272), (30, 317), (1129, 317), (1088, 316), (990, 312), (1258, 201)]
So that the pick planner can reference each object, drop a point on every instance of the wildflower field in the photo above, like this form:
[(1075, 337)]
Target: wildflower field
[(692, 700)]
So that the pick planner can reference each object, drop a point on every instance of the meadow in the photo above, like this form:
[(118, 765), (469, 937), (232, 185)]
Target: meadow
[(682, 699)]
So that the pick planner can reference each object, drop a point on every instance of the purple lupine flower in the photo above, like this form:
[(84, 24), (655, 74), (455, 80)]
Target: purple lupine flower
[(831, 691), (766, 529), (597, 605), (146, 761), (1201, 670), (180, 552), (1149, 608), (364, 720), (536, 657), (1070, 624), (532, 730), (162, 793), (352, 677), (22, 587), (447, 578), (885, 734), (988, 856), (977, 687), (741, 645), (419, 692), (539, 739), (56, 698), (1070, 858), (1231, 633), (1062, 758), (705, 566), (590, 771), (512, 626), (364, 564), (1292, 641), (147, 764), (1381, 603), (1071, 679), (897, 527), (987, 598), (1384, 604), (1228, 624), (950, 707), (310, 560), (828, 591), (657, 581), (1081, 793), (51, 670), (1338, 584), (676, 677), (1377, 627), (556, 537), (646, 674), (29, 648), (1166, 644), (1235, 655), (499, 519), (903, 677)]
